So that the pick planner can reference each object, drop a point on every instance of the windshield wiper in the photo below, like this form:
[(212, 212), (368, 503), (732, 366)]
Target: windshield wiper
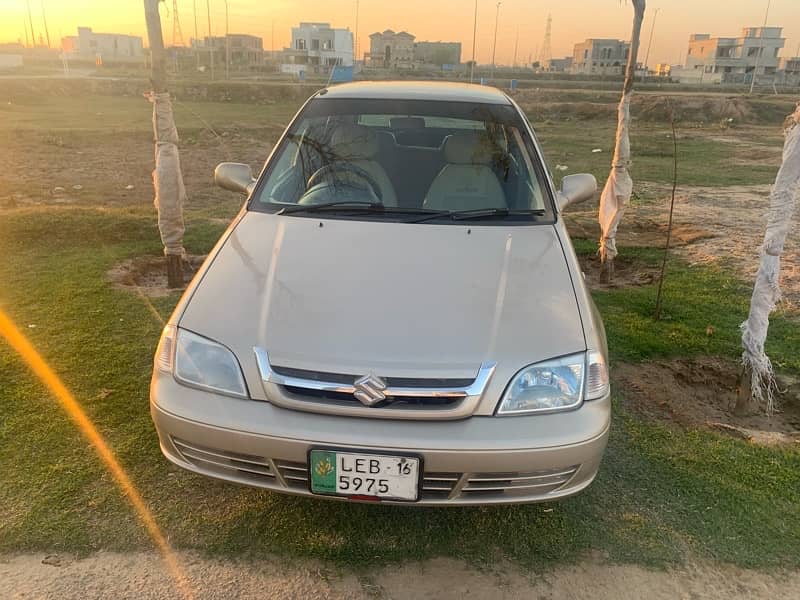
[(357, 205), (480, 213), (352, 204)]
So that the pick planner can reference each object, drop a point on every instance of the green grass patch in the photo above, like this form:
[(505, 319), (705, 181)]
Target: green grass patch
[(703, 160), (661, 495), (70, 114), (693, 299)]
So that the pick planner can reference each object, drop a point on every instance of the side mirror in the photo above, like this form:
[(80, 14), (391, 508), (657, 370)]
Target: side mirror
[(235, 177), (576, 188)]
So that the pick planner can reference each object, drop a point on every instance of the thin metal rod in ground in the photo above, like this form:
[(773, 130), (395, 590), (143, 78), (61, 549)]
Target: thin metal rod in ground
[(671, 212)]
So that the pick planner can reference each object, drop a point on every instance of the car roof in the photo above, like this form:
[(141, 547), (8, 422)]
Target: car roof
[(417, 90)]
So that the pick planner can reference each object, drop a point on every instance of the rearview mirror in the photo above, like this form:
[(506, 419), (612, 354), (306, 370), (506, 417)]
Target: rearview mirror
[(576, 188), (235, 177)]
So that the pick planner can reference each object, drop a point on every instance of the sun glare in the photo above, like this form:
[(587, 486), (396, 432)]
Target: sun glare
[(45, 373)]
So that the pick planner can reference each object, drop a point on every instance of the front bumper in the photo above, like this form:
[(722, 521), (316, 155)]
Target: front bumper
[(479, 460)]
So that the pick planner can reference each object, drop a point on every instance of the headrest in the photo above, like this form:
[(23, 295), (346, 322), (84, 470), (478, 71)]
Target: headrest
[(354, 142), (407, 122), (470, 149)]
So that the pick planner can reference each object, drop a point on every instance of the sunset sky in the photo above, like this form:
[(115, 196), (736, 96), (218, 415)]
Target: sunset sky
[(446, 20)]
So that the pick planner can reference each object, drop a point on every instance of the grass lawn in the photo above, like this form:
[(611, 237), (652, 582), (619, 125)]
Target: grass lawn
[(663, 495), (705, 155)]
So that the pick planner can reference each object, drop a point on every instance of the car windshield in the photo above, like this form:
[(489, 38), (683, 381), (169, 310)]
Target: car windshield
[(388, 159)]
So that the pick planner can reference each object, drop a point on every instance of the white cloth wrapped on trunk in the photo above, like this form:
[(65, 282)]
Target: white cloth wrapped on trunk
[(167, 176), (767, 291), (619, 186)]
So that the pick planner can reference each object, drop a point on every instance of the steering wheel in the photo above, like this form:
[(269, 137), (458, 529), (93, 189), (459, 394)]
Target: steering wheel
[(344, 167)]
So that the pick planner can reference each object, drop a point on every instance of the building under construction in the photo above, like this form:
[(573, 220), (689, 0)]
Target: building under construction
[(103, 47)]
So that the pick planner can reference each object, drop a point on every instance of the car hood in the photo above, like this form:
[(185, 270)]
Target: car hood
[(395, 299)]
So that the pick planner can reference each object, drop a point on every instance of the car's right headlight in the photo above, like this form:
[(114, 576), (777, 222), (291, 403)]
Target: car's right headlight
[(200, 362), (556, 385)]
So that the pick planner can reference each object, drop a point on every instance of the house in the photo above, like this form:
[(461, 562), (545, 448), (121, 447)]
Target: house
[(558, 65), (103, 46), (600, 56), (789, 70), (316, 48), (437, 53), (733, 59), (246, 50), (391, 50), (663, 70)]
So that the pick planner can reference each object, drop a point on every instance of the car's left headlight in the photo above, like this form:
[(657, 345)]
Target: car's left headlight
[(556, 385), (200, 362)]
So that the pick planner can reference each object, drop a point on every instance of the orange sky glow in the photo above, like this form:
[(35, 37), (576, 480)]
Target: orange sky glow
[(433, 20)]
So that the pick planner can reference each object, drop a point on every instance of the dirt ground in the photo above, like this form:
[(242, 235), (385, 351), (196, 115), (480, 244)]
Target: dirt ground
[(109, 169), (628, 272), (701, 392), (143, 576), (723, 226), (147, 275)]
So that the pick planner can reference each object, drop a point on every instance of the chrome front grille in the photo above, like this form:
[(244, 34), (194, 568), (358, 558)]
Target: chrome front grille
[(347, 399), (295, 475), (409, 382), (437, 487), (356, 395), (254, 468), (511, 484)]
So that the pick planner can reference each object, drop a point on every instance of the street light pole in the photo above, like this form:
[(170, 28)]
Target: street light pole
[(30, 20), (516, 46), (196, 35), (474, 36), (647, 54), (355, 41), (210, 41), (227, 45), (46, 30), (760, 48), (494, 45)]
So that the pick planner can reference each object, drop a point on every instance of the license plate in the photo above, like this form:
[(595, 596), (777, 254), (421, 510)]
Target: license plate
[(355, 474)]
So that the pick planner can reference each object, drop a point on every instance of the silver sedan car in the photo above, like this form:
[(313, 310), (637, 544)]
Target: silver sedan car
[(396, 315)]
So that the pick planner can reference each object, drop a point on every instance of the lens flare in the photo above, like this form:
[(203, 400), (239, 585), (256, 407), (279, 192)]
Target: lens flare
[(42, 370)]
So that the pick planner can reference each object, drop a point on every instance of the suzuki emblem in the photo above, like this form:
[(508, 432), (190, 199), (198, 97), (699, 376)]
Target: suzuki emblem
[(369, 390)]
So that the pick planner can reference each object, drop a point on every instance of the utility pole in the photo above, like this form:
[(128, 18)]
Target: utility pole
[(647, 54), (760, 48), (474, 38), (167, 178), (227, 45), (649, 43), (30, 20), (46, 31), (494, 45), (545, 50), (177, 34), (196, 40), (210, 41), (516, 46), (355, 40)]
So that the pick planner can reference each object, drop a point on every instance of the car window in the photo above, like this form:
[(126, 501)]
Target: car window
[(442, 122), (422, 155)]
